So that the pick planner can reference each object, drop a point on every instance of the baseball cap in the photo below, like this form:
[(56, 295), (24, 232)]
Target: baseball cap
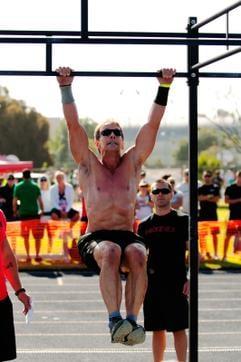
[(11, 177)]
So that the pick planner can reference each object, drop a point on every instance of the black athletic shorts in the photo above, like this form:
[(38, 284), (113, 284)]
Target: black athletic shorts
[(88, 242), (164, 309), (7, 333)]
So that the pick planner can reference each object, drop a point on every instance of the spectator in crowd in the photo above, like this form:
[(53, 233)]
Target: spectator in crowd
[(218, 179), (229, 177), (144, 203), (177, 200), (6, 198), (9, 272), (208, 196), (165, 305), (233, 199), (143, 175), (28, 194), (46, 198), (184, 188), (109, 184), (166, 176), (45, 194), (62, 198)]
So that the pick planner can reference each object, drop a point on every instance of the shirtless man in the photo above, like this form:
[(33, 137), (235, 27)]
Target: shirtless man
[(109, 185)]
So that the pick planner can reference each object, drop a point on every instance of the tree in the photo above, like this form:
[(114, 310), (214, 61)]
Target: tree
[(181, 153), (229, 123), (206, 140), (23, 131), (207, 161)]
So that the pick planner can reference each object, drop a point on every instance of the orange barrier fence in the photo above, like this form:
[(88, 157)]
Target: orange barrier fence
[(50, 243), (57, 241)]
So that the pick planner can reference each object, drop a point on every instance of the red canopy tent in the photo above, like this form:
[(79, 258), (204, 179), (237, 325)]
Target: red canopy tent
[(7, 165)]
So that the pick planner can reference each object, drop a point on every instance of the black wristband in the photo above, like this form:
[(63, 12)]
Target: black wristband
[(162, 95), (19, 291)]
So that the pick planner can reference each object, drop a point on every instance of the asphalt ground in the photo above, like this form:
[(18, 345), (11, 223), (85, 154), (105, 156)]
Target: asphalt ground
[(70, 322)]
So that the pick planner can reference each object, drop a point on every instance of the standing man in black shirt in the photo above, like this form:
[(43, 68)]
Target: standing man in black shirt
[(233, 199), (165, 305), (6, 198), (208, 197)]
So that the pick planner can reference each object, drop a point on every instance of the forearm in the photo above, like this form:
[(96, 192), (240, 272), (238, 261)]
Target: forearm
[(78, 138), (155, 116), (234, 201), (69, 107), (159, 105), (14, 205), (41, 205), (11, 272)]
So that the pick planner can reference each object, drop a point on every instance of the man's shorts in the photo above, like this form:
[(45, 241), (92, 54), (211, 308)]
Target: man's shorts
[(164, 309), (213, 227), (31, 223), (88, 242), (233, 227), (7, 333)]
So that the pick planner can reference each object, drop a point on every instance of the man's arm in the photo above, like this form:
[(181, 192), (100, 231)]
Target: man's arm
[(231, 201), (15, 206), (78, 138), (41, 204), (11, 273), (146, 137)]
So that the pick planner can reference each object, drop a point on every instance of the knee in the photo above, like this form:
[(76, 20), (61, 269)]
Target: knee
[(54, 216), (111, 255), (136, 257)]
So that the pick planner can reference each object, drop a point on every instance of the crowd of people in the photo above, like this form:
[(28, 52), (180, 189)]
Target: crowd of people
[(44, 200), (212, 188), (34, 203)]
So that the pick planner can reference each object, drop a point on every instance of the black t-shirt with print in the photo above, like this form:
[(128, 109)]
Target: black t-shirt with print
[(208, 210), (165, 237), (234, 192)]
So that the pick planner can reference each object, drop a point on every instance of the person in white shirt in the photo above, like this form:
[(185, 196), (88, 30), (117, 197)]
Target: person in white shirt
[(62, 198), (177, 199), (46, 198), (184, 188), (144, 203)]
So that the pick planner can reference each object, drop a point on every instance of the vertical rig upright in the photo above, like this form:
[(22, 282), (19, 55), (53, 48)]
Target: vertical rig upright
[(192, 81)]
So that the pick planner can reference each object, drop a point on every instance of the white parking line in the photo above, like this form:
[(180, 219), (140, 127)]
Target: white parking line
[(101, 321), (115, 350), (106, 334), (98, 311)]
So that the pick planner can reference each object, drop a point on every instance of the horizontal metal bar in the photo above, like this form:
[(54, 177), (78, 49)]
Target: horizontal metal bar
[(168, 41), (87, 73), (219, 75), (215, 59), (113, 34), (215, 16), (115, 74)]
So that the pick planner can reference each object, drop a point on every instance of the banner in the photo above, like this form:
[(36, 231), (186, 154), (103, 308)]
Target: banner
[(53, 244)]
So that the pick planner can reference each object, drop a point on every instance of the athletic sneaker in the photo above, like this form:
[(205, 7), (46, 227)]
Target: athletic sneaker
[(120, 329), (136, 336)]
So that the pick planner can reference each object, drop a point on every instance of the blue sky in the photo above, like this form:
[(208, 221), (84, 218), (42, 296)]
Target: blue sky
[(127, 99)]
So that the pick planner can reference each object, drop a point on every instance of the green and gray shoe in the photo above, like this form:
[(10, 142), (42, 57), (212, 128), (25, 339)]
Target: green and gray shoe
[(136, 336), (121, 328)]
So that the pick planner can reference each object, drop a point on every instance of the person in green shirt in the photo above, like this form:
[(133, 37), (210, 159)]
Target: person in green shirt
[(27, 193)]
